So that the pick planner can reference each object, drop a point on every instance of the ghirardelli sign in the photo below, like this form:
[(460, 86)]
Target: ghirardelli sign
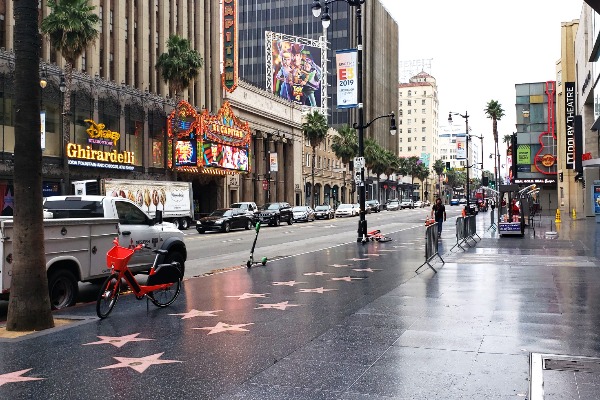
[(570, 124)]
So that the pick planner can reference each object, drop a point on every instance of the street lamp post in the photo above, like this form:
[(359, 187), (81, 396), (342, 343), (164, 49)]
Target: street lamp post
[(326, 20), (466, 117)]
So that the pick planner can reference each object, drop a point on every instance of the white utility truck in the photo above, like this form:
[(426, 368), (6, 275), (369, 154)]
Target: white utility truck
[(80, 233), (174, 199)]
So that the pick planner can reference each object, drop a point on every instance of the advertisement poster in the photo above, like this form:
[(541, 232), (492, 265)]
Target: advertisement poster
[(185, 153), (347, 80), (523, 154), (273, 162), (224, 156), (461, 147), (596, 194), (296, 71), (43, 128)]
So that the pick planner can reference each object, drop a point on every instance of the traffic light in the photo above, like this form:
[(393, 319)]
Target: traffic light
[(493, 184), (583, 182), (485, 181)]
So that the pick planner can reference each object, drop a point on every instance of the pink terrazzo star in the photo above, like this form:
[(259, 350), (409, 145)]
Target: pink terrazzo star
[(340, 265), (319, 273), (346, 279), (223, 327), (118, 341), (139, 364), (357, 259), (315, 290), (365, 269), (372, 255), (250, 296), (288, 283), (12, 377), (278, 306), (196, 313)]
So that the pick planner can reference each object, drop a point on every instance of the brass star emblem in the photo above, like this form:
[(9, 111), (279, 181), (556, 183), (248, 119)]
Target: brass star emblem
[(315, 290), (12, 377), (223, 327), (346, 279), (118, 341), (278, 306), (196, 313), (250, 296), (140, 364)]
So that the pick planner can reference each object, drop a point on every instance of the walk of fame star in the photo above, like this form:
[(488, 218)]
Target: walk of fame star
[(387, 250), (223, 327), (139, 364), (319, 273), (340, 265), (346, 279), (357, 259), (315, 290), (249, 295), (118, 341), (279, 306), (373, 255), (365, 269), (288, 283), (196, 313), (12, 377)]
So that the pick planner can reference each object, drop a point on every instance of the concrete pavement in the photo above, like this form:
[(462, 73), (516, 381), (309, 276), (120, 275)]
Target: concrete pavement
[(350, 322)]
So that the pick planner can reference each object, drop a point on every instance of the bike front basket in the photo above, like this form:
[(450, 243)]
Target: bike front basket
[(118, 257)]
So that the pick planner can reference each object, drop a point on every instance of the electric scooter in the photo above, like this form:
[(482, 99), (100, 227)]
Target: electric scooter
[(251, 262)]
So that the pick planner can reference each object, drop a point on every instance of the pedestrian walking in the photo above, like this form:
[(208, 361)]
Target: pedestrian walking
[(438, 211)]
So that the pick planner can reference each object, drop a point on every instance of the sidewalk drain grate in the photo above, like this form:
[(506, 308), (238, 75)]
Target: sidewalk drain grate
[(574, 365)]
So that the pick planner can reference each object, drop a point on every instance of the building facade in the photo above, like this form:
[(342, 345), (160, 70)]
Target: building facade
[(418, 122)]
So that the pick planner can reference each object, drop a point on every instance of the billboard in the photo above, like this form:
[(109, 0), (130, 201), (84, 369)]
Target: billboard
[(296, 69), (223, 156)]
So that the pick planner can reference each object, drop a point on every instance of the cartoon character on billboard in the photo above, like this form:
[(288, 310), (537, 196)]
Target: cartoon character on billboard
[(311, 79), (285, 77)]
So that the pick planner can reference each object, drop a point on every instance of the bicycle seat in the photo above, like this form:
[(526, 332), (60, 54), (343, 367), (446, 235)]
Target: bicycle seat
[(160, 251)]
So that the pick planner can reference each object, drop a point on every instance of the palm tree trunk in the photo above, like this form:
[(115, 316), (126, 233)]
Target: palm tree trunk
[(312, 189), (29, 303)]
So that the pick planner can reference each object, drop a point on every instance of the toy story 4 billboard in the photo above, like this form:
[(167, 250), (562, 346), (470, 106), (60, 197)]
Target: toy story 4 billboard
[(208, 143), (297, 69)]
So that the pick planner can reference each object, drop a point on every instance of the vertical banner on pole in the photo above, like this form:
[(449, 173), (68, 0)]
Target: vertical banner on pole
[(461, 147), (347, 78), (43, 128), (596, 198)]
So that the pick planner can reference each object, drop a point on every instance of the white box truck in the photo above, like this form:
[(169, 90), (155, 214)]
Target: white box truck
[(174, 199)]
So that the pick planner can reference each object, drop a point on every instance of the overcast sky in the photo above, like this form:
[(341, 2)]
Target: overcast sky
[(479, 50)]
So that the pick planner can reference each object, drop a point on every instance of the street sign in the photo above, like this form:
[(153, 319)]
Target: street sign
[(359, 162)]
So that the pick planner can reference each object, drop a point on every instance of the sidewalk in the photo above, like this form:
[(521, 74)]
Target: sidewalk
[(350, 322)]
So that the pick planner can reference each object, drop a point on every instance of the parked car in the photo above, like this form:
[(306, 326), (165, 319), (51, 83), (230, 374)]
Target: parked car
[(357, 209), (407, 203), (454, 201), (419, 204), (274, 214), (393, 205), (345, 210), (249, 207), (373, 205), (303, 213), (224, 219), (473, 208), (462, 201), (324, 212)]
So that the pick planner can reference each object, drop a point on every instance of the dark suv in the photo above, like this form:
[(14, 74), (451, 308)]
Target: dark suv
[(276, 213)]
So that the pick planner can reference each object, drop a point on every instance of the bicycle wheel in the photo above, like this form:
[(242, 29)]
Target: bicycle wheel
[(166, 297), (108, 296)]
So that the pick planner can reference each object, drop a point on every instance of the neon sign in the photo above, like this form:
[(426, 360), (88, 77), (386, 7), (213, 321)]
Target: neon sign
[(98, 134), (229, 78), (87, 153)]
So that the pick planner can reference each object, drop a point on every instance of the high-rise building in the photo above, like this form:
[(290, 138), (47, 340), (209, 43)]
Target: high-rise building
[(418, 120), (295, 18)]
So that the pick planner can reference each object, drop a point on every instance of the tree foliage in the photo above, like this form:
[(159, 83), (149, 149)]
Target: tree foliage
[(179, 65), (314, 129)]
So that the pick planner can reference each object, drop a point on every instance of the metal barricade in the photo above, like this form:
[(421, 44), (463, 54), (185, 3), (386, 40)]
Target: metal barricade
[(431, 246), (492, 221), (460, 232), (473, 228)]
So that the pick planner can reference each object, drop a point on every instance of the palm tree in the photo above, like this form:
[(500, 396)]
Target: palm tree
[(29, 303), (438, 168), (71, 26), (179, 65), (314, 129), (494, 111), (412, 166), (376, 158), (345, 147), (421, 173)]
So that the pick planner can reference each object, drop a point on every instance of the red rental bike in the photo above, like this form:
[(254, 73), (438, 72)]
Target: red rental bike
[(162, 288)]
